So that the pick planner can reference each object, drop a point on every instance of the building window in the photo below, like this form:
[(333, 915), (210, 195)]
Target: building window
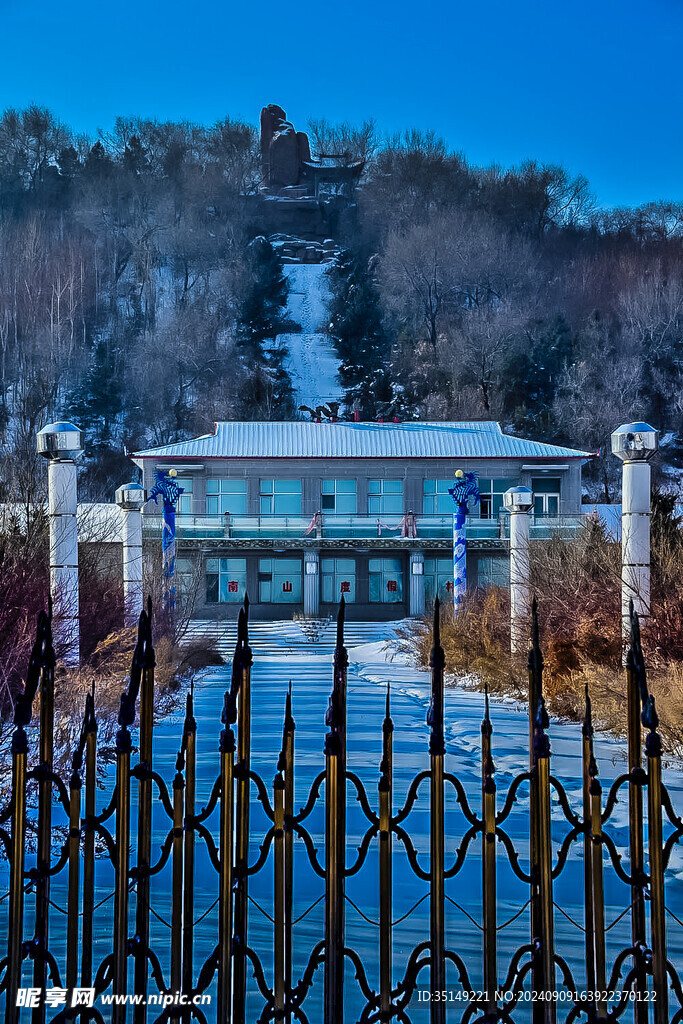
[(226, 496), (184, 507), (546, 495), (339, 497), (279, 581), (438, 579), (436, 501), (492, 570), (386, 580), (491, 496), (226, 580), (186, 581), (280, 498), (385, 497), (338, 579)]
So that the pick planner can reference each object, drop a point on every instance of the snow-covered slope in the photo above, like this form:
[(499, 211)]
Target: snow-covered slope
[(312, 363)]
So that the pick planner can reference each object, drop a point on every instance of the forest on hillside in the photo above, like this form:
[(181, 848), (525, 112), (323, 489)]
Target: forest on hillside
[(138, 298)]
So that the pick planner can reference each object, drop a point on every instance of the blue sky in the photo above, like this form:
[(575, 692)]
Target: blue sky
[(595, 85)]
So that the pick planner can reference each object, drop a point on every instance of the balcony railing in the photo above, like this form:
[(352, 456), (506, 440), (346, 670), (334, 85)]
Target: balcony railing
[(330, 526)]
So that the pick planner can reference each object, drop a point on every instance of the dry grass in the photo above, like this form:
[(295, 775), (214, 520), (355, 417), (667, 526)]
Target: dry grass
[(577, 585)]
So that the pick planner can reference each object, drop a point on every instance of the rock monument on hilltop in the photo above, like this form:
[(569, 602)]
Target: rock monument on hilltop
[(289, 172), (283, 150)]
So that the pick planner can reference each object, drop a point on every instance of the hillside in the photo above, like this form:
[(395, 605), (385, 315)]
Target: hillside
[(138, 296)]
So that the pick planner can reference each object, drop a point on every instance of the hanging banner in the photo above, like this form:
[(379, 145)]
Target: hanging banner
[(465, 494), (166, 488)]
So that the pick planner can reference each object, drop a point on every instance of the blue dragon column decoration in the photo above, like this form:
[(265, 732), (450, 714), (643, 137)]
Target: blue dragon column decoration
[(168, 489), (465, 494)]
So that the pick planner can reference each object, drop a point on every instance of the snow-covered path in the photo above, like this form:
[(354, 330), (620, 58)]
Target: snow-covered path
[(280, 655), (312, 363)]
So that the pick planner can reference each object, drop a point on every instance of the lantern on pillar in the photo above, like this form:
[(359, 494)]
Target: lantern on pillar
[(62, 444), (635, 444)]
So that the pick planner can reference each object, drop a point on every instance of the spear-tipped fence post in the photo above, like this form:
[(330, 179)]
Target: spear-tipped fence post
[(488, 861), (177, 881), (385, 860), (286, 768), (653, 750), (15, 938), (225, 895), (437, 751), (279, 928), (544, 939), (586, 760), (144, 661), (636, 692), (44, 840), (190, 740), (242, 667), (90, 728), (597, 898), (122, 852), (72, 921), (335, 833), (535, 667)]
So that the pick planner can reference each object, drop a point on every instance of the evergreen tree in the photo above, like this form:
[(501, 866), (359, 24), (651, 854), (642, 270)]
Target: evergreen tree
[(259, 321), (98, 401), (359, 337)]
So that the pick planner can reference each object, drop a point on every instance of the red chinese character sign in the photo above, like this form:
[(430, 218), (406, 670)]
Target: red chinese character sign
[(287, 587), (232, 586), (345, 587), (392, 586)]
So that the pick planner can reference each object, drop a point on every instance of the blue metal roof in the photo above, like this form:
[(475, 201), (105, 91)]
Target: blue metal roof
[(344, 440)]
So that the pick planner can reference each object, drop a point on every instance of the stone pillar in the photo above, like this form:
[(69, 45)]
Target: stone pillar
[(635, 444), (130, 498), (417, 583), (61, 443), (519, 501), (311, 584)]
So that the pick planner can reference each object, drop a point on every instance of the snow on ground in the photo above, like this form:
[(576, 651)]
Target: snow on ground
[(283, 658), (312, 363)]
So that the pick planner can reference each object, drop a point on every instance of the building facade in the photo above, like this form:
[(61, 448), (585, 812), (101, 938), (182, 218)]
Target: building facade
[(298, 514)]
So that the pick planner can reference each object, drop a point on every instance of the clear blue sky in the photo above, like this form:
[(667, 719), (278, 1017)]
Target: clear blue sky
[(593, 84)]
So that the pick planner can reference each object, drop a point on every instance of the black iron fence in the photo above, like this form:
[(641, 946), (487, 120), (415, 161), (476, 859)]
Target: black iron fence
[(640, 981)]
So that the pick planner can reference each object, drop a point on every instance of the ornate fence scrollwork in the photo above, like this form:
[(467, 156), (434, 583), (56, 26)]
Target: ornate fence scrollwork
[(237, 974)]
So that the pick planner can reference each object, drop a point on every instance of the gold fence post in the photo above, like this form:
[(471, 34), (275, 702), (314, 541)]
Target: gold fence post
[(143, 662), (279, 898), (227, 751), (90, 729), (635, 693), (437, 751), (586, 757), (123, 752), (189, 840), (287, 767), (488, 861), (535, 665), (597, 897), (335, 833), (177, 872), (73, 900), (545, 938), (44, 838), (15, 937), (385, 861), (653, 750), (242, 665)]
